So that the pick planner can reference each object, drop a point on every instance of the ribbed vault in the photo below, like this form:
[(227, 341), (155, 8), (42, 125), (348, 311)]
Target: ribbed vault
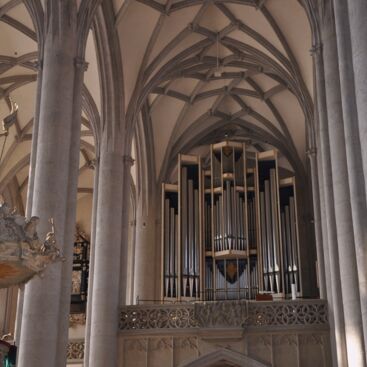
[(18, 81), (172, 51), (173, 98)]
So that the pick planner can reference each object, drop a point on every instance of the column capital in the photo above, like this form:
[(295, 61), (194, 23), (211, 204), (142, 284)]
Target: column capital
[(316, 49), (92, 163), (80, 63), (128, 159), (311, 153), (38, 64)]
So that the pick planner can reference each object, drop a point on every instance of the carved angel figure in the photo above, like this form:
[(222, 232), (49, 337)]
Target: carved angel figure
[(49, 246), (30, 228), (4, 210)]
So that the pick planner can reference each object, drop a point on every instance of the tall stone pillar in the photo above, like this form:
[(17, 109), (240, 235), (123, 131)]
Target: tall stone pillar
[(357, 12), (43, 338), (125, 228), (114, 177), (145, 252), (333, 144), (317, 223), (353, 150), (91, 265), (328, 217)]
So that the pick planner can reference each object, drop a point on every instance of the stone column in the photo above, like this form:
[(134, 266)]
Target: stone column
[(317, 223), (334, 141), (125, 228), (357, 11), (43, 339), (114, 176), (145, 252), (91, 266), (328, 217), (353, 151), (28, 210)]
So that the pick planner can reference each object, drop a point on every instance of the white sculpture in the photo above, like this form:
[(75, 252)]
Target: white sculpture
[(22, 253)]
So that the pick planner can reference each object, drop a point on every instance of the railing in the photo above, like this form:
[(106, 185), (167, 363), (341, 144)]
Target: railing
[(225, 314)]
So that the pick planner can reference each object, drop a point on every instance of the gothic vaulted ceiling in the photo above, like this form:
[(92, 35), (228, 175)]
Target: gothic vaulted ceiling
[(194, 71), (202, 69), (18, 82)]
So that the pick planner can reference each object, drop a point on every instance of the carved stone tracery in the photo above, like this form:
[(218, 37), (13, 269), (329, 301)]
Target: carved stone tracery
[(75, 350), (228, 314)]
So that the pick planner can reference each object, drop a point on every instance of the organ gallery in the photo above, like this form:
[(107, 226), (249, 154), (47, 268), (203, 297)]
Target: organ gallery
[(230, 228)]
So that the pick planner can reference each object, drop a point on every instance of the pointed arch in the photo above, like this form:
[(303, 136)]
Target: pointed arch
[(223, 356)]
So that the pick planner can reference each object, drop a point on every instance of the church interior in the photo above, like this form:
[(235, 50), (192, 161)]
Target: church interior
[(183, 183)]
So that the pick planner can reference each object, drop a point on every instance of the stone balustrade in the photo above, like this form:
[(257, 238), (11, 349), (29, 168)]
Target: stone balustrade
[(278, 333), (227, 314)]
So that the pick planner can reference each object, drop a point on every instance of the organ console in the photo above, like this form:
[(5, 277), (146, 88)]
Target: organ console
[(229, 231)]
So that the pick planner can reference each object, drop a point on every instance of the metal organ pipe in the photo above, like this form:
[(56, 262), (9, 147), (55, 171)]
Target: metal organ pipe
[(294, 240), (239, 215), (264, 241), (274, 216), (167, 249), (196, 253), (190, 251)]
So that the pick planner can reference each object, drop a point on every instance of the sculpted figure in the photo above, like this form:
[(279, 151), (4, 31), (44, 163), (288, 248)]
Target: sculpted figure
[(49, 246), (4, 210), (30, 228)]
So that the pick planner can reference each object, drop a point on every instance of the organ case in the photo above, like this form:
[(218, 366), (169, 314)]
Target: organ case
[(229, 231)]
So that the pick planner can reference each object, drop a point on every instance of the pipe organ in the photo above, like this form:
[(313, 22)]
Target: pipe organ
[(229, 231)]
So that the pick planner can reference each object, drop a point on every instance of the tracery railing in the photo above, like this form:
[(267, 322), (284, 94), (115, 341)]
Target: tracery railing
[(225, 314)]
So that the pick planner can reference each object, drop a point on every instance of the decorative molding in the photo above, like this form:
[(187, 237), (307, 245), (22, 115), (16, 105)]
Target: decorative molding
[(139, 345), (22, 253), (316, 49), (75, 350), (128, 159), (288, 339), (221, 314), (186, 343), (80, 63), (312, 152), (157, 317), (264, 340), (227, 314), (160, 344), (76, 319), (311, 339)]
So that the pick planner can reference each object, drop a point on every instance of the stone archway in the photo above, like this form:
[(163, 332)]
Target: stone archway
[(224, 358)]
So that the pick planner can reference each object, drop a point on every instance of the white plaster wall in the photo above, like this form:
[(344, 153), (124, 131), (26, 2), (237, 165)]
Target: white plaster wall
[(84, 212)]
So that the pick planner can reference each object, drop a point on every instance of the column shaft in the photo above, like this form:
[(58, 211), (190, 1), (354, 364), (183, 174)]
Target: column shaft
[(353, 151), (317, 223), (329, 226), (357, 11), (125, 231), (43, 318), (91, 267), (114, 174), (145, 253), (334, 132), (72, 193)]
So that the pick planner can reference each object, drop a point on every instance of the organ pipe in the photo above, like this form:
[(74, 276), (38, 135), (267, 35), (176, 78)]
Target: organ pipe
[(229, 232)]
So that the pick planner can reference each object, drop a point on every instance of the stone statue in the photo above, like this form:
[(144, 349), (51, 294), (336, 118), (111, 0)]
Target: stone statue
[(21, 250)]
